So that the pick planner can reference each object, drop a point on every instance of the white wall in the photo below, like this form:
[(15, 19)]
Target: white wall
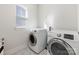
[(15, 37), (32, 14), (61, 16), (78, 16)]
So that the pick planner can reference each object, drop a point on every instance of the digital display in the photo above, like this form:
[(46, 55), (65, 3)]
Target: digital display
[(69, 36)]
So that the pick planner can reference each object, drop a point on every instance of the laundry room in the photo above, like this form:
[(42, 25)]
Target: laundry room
[(26, 29)]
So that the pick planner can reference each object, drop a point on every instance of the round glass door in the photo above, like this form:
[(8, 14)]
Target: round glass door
[(32, 40), (60, 47)]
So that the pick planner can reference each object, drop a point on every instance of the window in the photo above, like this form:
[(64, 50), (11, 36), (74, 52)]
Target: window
[(21, 16)]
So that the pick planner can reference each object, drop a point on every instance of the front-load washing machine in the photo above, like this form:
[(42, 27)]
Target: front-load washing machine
[(37, 40), (63, 42)]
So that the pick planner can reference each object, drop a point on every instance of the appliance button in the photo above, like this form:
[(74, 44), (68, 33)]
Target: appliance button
[(59, 35), (35, 31)]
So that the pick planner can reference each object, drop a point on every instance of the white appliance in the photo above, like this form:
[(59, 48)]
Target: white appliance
[(63, 42), (1, 46), (37, 40)]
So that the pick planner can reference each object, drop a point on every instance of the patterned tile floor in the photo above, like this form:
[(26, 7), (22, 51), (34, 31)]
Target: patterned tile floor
[(27, 51)]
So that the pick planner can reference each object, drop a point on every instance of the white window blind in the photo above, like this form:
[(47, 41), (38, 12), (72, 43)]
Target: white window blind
[(21, 16)]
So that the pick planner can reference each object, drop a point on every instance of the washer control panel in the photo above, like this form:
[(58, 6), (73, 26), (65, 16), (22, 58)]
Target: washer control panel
[(69, 36), (66, 35)]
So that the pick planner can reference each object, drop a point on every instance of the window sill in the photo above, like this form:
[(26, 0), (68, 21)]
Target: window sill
[(22, 17), (20, 27)]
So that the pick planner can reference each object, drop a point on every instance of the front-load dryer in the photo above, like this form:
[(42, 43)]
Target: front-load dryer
[(63, 43), (37, 40)]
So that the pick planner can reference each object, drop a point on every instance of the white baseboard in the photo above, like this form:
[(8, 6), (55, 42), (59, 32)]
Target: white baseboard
[(14, 50)]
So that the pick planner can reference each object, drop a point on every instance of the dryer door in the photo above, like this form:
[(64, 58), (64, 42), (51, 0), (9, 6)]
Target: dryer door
[(59, 47), (32, 39)]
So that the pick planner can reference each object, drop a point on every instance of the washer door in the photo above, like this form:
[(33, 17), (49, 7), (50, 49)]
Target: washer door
[(32, 39), (59, 47)]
